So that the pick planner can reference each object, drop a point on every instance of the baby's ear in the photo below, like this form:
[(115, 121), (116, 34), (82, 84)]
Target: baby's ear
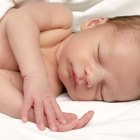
[(93, 22)]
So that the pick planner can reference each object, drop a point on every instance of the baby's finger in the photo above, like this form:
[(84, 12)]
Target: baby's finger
[(84, 119), (27, 104), (39, 114), (68, 126), (59, 113), (50, 114)]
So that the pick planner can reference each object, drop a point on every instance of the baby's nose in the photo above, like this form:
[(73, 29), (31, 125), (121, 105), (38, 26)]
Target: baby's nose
[(94, 75)]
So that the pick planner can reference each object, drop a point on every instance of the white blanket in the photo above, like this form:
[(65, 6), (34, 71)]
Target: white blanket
[(112, 121)]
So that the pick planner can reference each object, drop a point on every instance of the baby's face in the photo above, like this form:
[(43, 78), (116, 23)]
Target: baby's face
[(97, 64)]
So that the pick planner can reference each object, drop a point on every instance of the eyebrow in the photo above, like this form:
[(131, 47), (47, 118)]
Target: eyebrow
[(98, 53)]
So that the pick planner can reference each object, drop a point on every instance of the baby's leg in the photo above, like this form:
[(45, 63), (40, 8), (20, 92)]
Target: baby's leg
[(11, 95)]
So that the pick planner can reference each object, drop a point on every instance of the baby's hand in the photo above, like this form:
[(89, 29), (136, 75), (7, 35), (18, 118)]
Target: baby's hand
[(72, 121), (37, 94)]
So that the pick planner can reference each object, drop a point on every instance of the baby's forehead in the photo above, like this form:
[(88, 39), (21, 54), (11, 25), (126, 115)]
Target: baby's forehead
[(128, 39), (130, 35)]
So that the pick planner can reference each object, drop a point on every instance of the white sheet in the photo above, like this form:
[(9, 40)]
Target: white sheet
[(112, 121)]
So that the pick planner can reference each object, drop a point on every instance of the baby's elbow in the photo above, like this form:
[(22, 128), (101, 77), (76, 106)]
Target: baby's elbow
[(67, 13), (63, 16)]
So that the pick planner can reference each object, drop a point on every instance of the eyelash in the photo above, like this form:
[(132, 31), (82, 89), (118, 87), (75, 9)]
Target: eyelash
[(99, 60), (98, 54), (101, 87)]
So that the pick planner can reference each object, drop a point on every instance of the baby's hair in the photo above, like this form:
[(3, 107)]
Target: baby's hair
[(131, 24), (126, 22)]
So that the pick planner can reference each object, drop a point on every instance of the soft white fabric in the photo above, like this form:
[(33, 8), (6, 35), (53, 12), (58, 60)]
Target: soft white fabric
[(112, 121), (5, 5)]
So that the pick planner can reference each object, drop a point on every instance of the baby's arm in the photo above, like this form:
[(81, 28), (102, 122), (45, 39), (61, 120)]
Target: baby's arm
[(11, 100), (23, 28)]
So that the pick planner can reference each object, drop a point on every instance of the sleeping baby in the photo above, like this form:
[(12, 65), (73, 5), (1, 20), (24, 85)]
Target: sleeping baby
[(101, 62)]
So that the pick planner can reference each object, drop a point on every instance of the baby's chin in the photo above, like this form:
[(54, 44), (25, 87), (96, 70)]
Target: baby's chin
[(77, 97), (72, 95)]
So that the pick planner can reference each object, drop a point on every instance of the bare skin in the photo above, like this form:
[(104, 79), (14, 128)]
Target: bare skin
[(18, 77)]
